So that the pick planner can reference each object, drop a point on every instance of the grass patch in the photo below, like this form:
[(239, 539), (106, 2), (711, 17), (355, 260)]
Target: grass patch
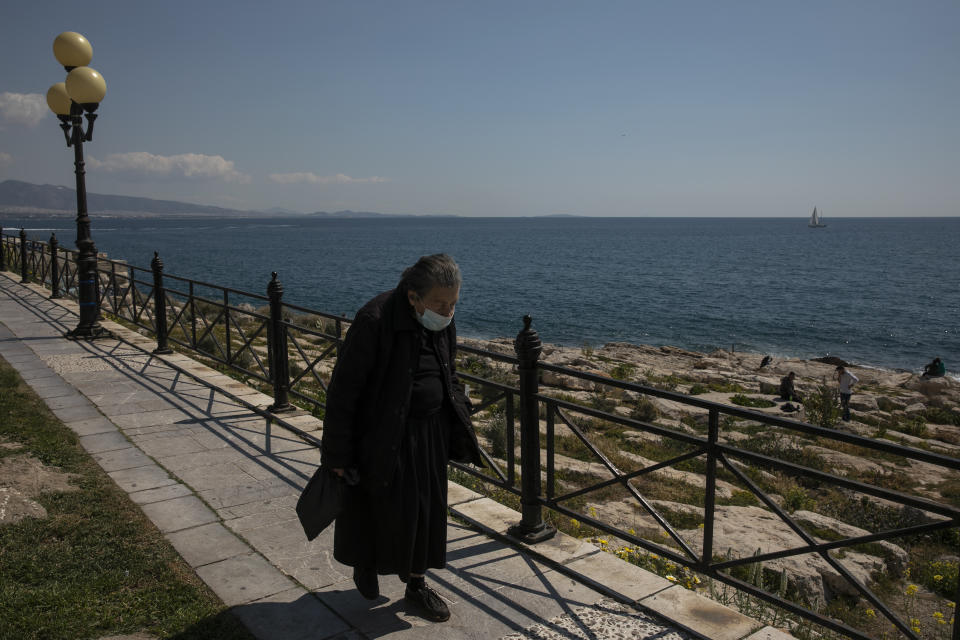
[(744, 400), (96, 566)]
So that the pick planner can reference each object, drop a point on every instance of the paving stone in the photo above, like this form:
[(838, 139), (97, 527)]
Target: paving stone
[(243, 579), (541, 596), (286, 502), (226, 476), (267, 518), (17, 356), (142, 478), (33, 367), (286, 546), (199, 458), (489, 514), (699, 614), (128, 458), (103, 442), (207, 544), (36, 373), (160, 493), (612, 574), (51, 387), (231, 495), (91, 426), (291, 615), (179, 513), (149, 418), (78, 413), (769, 633), (176, 445), (457, 494), (70, 400)]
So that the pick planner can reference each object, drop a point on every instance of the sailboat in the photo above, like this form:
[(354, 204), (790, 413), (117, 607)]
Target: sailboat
[(816, 221)]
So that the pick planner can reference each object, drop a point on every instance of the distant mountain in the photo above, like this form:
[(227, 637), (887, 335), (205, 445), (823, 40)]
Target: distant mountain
[(24, 197), (359, 214), (48, 199)]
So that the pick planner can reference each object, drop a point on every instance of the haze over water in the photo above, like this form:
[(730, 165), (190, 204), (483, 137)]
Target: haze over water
[(875, 291)]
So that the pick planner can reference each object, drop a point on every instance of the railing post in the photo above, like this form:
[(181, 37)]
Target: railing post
[(159, 306), (3, 251), (54, 267), (23, 255), (532, 528), (279, 363), (713, 437)]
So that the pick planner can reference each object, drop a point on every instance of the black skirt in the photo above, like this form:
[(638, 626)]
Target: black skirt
[(404, 530)]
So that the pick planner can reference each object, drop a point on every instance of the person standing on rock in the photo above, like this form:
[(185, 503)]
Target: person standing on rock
[(397, 413), (845, 381)]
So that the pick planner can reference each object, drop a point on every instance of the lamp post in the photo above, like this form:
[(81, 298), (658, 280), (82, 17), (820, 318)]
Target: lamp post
[(80, 94)]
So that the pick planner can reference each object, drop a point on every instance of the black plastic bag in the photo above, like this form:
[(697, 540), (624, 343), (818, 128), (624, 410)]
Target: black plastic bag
[(322, 500)]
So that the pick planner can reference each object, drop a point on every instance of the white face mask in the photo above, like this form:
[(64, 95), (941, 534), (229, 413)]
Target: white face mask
[(433, 320)]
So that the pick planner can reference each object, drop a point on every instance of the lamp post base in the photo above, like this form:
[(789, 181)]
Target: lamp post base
[(532, 535), (88, 333)]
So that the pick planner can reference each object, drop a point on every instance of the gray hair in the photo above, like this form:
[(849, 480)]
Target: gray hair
[(438, 270)]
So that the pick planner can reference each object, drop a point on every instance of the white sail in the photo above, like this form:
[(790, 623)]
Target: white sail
[(816, 220)]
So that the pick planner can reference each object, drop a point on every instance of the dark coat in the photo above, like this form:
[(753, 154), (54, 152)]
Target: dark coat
[(369, 393)]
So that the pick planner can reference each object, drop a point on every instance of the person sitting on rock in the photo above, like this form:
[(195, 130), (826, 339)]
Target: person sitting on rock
[(787, 390), (935, 369)]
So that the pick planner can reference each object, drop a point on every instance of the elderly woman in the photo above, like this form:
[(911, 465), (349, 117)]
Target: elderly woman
[(397, 414)]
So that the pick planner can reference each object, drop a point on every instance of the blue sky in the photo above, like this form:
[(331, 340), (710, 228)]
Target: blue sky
[(495, 108)]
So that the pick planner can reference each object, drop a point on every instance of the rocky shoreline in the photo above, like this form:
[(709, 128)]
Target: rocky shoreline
[(892, 393), (896, 406)]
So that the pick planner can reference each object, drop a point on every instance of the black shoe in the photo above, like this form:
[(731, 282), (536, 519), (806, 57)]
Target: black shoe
[(367, 584), (431, 605)]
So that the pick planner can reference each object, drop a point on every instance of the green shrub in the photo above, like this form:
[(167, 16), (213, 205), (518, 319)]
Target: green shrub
[(496, 432), (939, 415), (601, 402), (697, 389), (796, 498), (726, 387), (741, 499), (822, 407), (940, 577), (747, 401), (645, 410), (916, 427), (623, 371)]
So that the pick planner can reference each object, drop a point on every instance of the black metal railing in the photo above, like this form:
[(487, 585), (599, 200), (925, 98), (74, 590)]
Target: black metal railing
[(290, 350)]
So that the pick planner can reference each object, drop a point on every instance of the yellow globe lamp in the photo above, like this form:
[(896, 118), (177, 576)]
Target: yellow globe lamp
[(72, 50), (86, 86), (58, 99)]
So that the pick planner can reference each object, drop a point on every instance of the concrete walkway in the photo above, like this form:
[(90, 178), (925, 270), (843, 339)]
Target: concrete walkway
[(220, 479)]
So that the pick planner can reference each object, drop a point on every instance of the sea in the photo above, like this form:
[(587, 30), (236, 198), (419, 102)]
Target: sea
[(881, 292)]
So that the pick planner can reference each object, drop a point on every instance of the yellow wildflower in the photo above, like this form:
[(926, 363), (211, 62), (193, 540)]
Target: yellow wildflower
[(871, 613), (911, 589), (937, 578), (671, 578)]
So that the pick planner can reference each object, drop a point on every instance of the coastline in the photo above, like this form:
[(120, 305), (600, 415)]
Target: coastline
[(882, 394)]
